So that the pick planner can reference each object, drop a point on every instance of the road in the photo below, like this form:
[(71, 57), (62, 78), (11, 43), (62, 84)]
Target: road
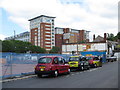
[(103, 77)]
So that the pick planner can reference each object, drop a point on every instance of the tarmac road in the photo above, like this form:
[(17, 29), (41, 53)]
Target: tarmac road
[(102, 77)]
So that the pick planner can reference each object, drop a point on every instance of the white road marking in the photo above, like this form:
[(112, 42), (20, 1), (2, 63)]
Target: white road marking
[(67, 75), (72, 74)]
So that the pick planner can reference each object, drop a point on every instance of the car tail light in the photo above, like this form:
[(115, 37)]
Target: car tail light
[(50, 68)]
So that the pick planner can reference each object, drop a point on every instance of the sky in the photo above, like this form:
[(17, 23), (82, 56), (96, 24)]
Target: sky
[(96, 16)]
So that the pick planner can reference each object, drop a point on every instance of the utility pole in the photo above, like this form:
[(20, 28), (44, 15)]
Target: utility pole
[(14, 34)]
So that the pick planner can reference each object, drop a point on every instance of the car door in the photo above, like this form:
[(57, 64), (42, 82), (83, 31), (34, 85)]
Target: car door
[(62, 66), (55, 63)]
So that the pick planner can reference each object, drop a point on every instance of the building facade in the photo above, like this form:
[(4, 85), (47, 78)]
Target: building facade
[(25, 36), (42, 32), (83, 47), (68, 35)]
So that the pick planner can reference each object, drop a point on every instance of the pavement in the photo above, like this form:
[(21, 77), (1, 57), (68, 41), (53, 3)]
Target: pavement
[(17, 69), (102, 77)]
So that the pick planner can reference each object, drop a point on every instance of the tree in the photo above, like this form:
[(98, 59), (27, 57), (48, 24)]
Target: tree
[(20, 47), (118, 35), (111, 37), (54, 50)]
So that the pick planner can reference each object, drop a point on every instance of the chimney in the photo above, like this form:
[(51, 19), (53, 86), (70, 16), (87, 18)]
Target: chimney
[(93, 37), (105, 36)]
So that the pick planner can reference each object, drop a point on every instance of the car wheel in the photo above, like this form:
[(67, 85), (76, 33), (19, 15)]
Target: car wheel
[(68, 71), (39, 75), (95, 65), (82, 68), (55, 73), (88, 67)]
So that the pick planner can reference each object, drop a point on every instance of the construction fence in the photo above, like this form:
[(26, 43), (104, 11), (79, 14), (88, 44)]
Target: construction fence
[(16, 64)]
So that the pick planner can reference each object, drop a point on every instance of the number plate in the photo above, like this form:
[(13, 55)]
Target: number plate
[(42, 67)]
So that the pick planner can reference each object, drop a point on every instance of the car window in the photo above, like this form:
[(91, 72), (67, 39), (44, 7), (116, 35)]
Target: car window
[(95, 58), (83, 59), (56, 60), (89, 58), (44, 60), (61, 61), (74, 59)]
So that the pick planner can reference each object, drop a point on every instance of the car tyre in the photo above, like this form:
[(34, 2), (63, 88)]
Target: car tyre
[(88, 67), (55, 73), (95, 65), (39, 75), (68, 71), (82, 68)]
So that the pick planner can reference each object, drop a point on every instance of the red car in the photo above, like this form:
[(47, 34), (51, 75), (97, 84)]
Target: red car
[(51, 65)]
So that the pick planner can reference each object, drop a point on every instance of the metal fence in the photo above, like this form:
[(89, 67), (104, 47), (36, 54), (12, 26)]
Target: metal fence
[(16, 64)]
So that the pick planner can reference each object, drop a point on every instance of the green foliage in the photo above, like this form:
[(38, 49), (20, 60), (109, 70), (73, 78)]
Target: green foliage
[(54, 50), (20, 47), (111, 37), (118, 35), (118, 46)]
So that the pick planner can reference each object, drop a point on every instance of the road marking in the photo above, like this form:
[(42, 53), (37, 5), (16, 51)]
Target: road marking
[(67, 75), (72, 74)]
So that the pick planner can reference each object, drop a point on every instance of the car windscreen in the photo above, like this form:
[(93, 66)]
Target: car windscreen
[(89, 58), (44, 60), (95, 58), (74, 59)]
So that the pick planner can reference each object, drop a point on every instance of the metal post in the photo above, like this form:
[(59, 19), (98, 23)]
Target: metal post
[(11, 65), (14, 34)]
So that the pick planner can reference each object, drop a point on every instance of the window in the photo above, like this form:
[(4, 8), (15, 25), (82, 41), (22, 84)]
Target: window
[(61, 61), (74, 59), (48, 25), (55, 61), (95, 58), (47, 28), (52, 39), (47, 45), (47, 39), (52, 43), (47, 35), (47, 42), (48, 32), (35, 33), (44, 60)]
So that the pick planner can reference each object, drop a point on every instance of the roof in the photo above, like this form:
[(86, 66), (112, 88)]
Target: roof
[(41, 16), (98, 39)]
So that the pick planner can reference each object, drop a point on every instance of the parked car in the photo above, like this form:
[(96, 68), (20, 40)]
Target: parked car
[(94, 61), (78, 62), (51, 65), (111, 58)]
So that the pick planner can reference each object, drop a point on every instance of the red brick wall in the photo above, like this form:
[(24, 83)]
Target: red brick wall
[(33, 35), (42, 38)]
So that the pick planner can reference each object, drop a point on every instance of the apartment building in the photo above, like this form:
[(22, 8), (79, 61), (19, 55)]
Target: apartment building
[(25, 36), (68, 35), (42, 32)]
